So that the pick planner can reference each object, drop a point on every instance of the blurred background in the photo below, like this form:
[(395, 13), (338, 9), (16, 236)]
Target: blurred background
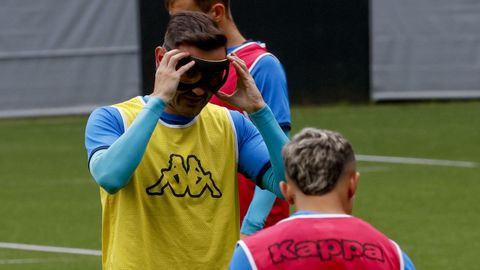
[(400, 79)]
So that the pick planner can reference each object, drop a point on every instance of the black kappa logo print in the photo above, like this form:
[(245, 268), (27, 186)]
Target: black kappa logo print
[(185, 178)]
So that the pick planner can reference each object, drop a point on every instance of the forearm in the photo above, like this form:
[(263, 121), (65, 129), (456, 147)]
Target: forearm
[(112, 168), (259, 208), (275, 139), (258, 211)]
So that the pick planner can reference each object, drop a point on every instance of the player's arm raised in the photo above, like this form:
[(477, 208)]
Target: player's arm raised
[(247, 97), (112, 168)]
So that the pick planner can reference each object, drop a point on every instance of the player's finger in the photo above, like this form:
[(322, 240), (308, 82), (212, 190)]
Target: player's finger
[(234, 58), (175, 58), (239, 65), (240, 61), (167, 56), (185, 67), (240, 70)]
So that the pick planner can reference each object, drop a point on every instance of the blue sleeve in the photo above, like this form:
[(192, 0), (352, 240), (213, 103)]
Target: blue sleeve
[(253, 157), (271, 80), (111, 168), (259, 209), (239, 260), (259, 155), (275, 139), (103, 128), (408, 264)]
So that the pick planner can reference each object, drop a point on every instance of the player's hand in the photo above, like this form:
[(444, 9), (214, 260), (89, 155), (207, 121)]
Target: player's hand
[(246, 96), (167, 77), (242, 236)]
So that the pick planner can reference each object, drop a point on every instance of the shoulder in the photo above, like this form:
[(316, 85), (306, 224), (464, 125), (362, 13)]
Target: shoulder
[(268, 68), (271, 232), (268, 60), (366, 225), (212, 108), (263, 57), (113, 117), (133, 105), (267, 63), (236, 115), (106, 115), (103, 127), (217, 113), (241, 123), (254, 53)]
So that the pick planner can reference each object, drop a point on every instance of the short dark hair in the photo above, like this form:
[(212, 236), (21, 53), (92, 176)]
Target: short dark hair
[(195, 29), (204, 5), (315, 160)]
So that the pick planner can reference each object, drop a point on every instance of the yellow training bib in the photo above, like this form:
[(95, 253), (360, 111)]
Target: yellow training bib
[(180, 209)]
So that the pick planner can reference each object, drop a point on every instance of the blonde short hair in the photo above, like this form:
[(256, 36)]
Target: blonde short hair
[(315, 159)]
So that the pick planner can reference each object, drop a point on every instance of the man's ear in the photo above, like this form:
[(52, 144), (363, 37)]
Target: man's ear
[(159, 53), (287, 192), (217, 12), (353, 184)]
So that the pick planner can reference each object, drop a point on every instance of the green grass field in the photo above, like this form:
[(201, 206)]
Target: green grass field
[(48, 198)]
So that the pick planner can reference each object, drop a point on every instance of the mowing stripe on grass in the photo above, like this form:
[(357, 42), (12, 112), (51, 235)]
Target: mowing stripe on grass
[(417, 161), (79, 251)]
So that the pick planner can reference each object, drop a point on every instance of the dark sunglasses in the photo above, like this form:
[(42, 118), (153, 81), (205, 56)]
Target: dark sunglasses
[(208, 74)]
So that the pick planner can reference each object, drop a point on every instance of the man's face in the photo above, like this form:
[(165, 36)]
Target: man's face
[(191, 102), (182, 5)]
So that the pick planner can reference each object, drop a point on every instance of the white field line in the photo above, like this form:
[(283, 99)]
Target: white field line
[(32, 261), (417, 161), (368, 169), (79, 251)]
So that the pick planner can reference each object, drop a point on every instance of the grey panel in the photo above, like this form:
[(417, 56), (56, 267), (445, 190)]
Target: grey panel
[(67, 56), (425, 49)]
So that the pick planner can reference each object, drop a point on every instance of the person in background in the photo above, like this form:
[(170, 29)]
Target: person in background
[(270, 78), (166, 163), (322, 181)]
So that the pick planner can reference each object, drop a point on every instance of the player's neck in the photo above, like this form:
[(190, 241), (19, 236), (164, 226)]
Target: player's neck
[(234, 37), (328, 203)]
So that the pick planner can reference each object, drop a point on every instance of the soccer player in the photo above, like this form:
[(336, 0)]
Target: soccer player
[(166, 163), (321, 181), (270, 78)]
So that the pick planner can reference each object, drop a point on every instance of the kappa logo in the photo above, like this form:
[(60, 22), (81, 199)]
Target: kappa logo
[(185, 178), (325, 250)]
